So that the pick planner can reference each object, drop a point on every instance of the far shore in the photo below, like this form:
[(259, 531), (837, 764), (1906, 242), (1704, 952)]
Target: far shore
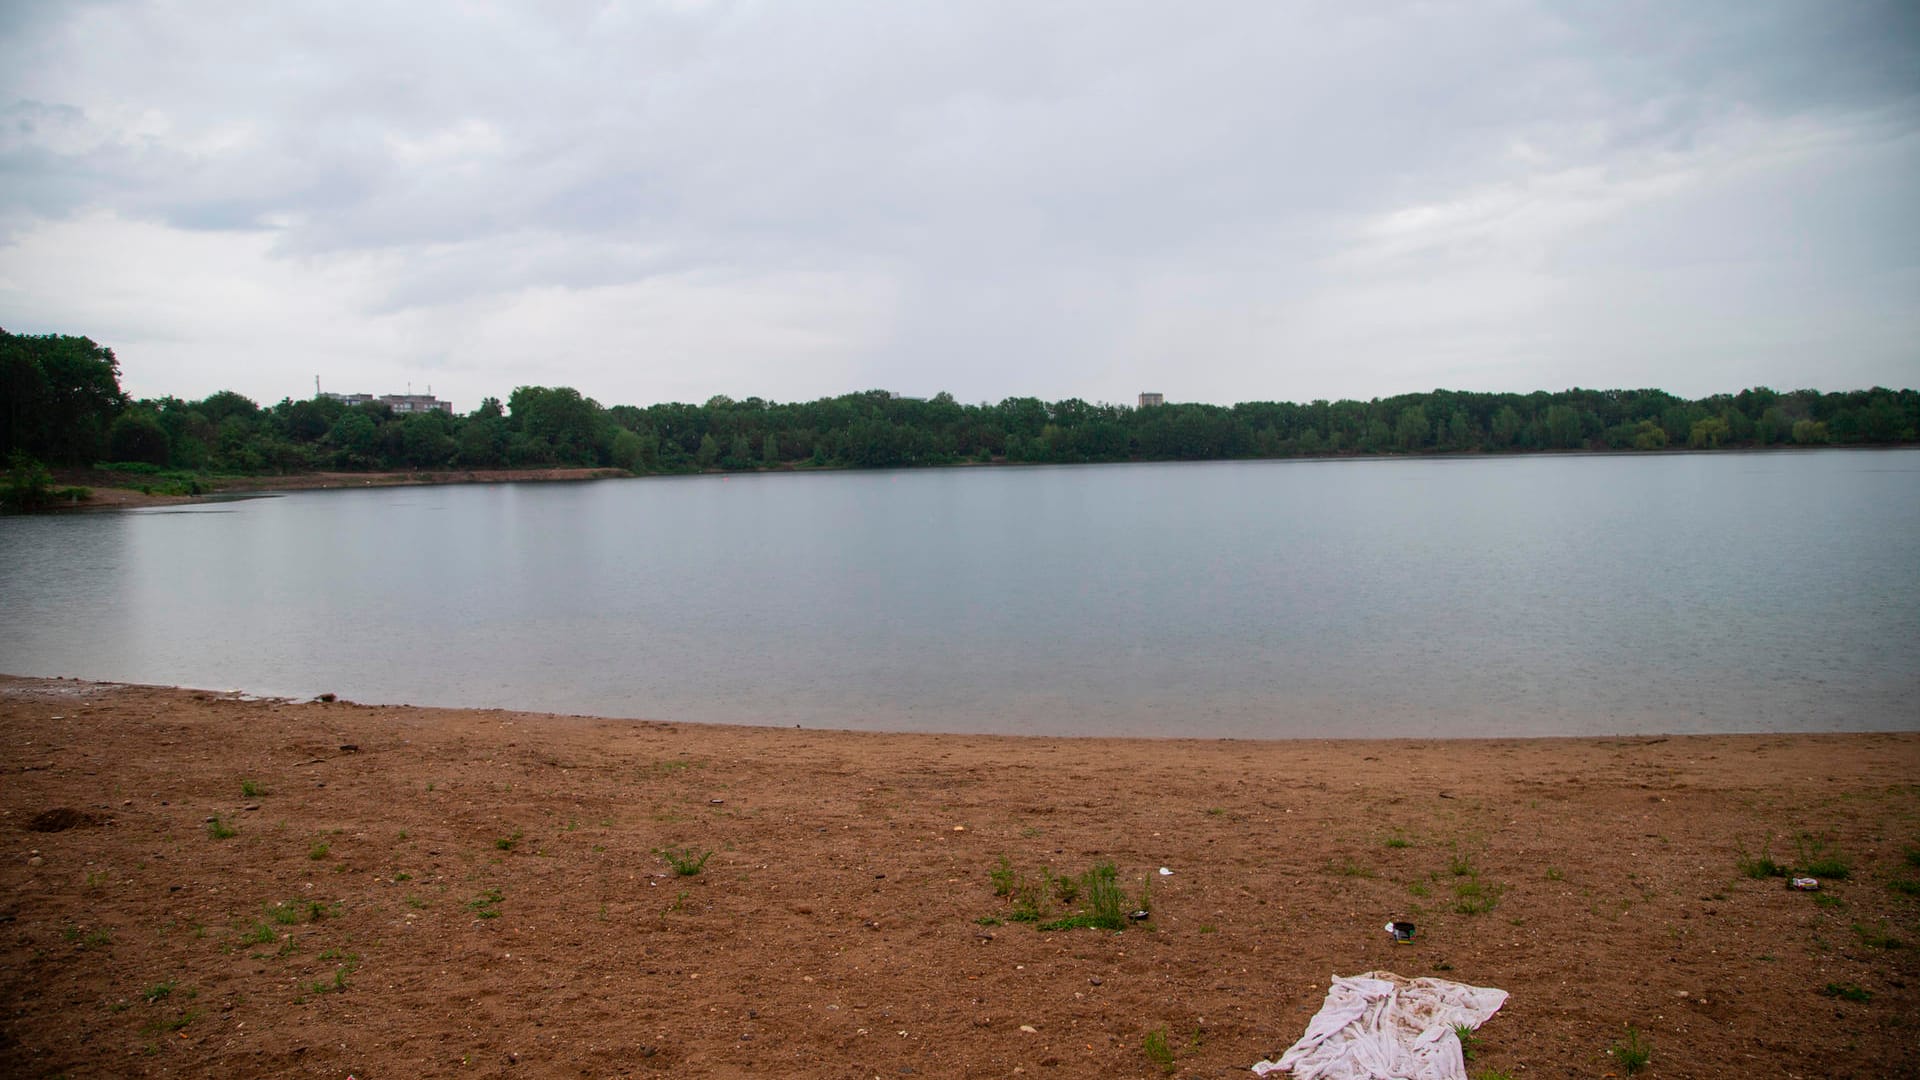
[(210, 884), (120, 491)]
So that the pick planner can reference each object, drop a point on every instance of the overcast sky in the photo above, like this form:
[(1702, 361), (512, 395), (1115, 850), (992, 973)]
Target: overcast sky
[(1229, 201)]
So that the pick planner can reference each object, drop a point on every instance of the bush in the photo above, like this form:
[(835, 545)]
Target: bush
[(29, 485)]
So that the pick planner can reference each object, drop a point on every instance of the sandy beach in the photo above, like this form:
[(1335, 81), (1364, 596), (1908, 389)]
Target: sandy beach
[(199, 884)]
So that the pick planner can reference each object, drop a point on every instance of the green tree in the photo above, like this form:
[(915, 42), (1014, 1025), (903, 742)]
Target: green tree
[(1506, 427), (1708, 433), (1809, 432), (1460, 433), (355, 436), (770, 450), (138, 436), (629, 451), (58, 394), (1412, 429), (709, 451), (1563, 427)]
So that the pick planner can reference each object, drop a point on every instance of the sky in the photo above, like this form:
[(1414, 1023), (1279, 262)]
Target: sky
[(1219, 201)]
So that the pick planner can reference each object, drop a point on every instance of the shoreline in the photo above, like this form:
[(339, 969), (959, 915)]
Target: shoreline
[(107, 492), (480, 892)]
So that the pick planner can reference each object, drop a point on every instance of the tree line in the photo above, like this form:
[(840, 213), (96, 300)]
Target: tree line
[(61, 402)]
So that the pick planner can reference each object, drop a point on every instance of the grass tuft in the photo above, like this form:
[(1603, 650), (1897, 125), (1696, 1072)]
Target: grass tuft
[(1632, 1052), (684, 862), (487, 904), (220, 830), (1104, 902), (1154, 1045), (1469, 1042), (1847, 992)]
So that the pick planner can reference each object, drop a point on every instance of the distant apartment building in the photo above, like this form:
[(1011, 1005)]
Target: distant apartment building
[(1152, 399), (399, 403)]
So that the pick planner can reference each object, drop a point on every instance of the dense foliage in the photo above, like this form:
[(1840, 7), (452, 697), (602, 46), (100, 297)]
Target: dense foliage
[(60, 400)]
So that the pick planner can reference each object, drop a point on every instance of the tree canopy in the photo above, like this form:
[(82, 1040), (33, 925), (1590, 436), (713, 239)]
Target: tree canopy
[(60, 401)]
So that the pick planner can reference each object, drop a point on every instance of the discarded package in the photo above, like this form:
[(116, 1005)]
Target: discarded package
[(1382, 1024), (1402, 931), (1805, 884), (1138, 914)]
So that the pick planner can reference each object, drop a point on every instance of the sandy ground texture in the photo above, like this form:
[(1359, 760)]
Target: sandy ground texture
[(199, 884)]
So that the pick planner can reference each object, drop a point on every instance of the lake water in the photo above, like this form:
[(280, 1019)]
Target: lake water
[(1466, 597)]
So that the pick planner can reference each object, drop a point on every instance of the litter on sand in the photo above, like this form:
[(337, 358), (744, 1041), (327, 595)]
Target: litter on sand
[(1384, 1025)]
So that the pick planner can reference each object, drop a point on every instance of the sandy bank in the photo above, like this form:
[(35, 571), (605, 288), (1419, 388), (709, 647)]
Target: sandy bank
[(478, 894)]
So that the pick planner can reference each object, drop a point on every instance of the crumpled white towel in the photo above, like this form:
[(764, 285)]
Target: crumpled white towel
[(1380, 1026)]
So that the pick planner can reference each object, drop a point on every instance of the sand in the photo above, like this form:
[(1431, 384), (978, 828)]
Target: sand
[(475, 893)]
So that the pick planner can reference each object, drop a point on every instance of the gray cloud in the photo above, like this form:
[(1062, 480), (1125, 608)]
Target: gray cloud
[(1232, 201)]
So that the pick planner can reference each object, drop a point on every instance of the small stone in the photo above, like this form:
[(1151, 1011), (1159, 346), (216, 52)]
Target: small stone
[(36, 861), (1029, 1029), (1094, 979)]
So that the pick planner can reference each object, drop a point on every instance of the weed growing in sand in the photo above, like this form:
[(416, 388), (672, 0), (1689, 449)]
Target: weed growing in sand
[(684, 862), (319, 851), (989, 920), (1493, 1074), (1847, 992), (1469, 1042), (1398, 842), (415, 902), (1633, 1052), (251, 789), (98, 937), (1905, 886), (1817, 860), (1761, 865), (1154, 1045), (1876, 937), (487, 904), (1471, 895), (338, 983), (1419, 888), (1105, 902), (1003, 876), (1349, 868), (261, 934), (508, 843), (1554, 874), (159, 990), (220, 830), (286, 914), (1828, 900)]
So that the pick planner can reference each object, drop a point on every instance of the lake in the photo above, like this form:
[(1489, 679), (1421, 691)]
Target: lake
[(1540, 595)]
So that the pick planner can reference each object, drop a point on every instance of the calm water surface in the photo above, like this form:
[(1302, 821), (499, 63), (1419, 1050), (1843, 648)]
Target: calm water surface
[(1529, 596)]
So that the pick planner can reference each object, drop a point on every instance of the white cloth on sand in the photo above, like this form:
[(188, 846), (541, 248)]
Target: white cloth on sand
[(1380, 1026)]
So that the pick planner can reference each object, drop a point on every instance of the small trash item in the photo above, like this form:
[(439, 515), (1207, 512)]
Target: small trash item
[(1164, 872), (1402, 932), (1138, 914), (1805, 884)]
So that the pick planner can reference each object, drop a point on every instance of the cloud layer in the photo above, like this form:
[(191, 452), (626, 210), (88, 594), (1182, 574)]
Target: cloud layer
[(1223, 202)]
